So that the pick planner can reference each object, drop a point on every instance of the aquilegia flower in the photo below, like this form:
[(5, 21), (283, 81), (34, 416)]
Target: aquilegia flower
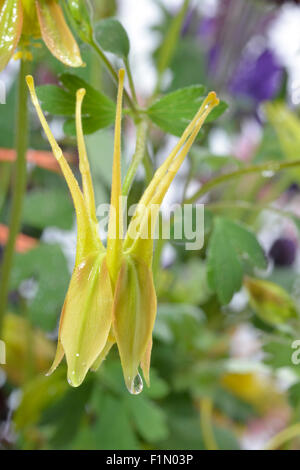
[(111, 297), (21, 20)]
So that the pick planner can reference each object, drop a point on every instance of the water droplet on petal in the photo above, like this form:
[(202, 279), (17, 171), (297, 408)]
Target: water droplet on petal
[(136, 386)]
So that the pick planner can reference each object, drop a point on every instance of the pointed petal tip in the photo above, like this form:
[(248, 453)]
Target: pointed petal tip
[(57, 360), (74, 380)]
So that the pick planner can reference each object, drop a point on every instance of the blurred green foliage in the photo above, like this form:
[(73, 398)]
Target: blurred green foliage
[(193, 356)]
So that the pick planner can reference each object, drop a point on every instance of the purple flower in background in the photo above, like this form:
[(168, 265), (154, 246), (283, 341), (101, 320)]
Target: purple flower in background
[(283, 252), (257, 78)]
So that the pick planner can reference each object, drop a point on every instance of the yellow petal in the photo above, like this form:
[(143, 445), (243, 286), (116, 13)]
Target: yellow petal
[(145, 363), (11, 19), (133, 318), (58, 357), (102, 356), (56, 33), (141, 243), (84, 166), (31, 25), (87, 237), (115, 226), (87, 317)]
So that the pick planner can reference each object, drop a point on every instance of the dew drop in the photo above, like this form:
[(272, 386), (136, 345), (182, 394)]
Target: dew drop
[(136, 386), (77, 355)]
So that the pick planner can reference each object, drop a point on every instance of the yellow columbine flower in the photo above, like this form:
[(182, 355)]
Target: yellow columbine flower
[(21, 20), (111, 297)]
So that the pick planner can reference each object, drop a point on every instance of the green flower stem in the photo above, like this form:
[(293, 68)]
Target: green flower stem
[(114, 74), (206, 424), (4, 182), (159, 245), (130, 79), (169, 44), (253, 207), (271, 166), (148, 166), (19, 187), (141, 139), (284, 436)]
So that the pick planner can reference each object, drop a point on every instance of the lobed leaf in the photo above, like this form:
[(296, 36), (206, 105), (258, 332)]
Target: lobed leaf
[(173, 112)]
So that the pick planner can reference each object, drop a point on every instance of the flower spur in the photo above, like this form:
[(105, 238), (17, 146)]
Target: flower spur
[(111, 297)]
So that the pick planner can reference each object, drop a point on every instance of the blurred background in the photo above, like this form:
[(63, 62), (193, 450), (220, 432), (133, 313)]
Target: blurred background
[(225, 374)]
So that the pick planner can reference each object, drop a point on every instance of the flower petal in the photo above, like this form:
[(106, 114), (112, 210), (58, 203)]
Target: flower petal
[(11, 19), (102, 356), (87, 317), (84, 166), (56, 33), (31, 25), (140, 234), (145, 363), (115, 226), (58, 358), (88, 240), (134, 316)]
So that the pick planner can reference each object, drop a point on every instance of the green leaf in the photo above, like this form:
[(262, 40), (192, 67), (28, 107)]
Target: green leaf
[(113, 427), (56, 100), (174, 111), (278, 354), (149, 419), (66, 414), (230, 246), (47, 266), (294, 394), (46, 207), (233, 406), (188, 66), (36, 398), (158, 387), (112, 37), (98, 110)]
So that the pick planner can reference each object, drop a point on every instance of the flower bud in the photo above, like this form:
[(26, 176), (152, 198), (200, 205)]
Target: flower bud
[(269, 301), (80, 13)]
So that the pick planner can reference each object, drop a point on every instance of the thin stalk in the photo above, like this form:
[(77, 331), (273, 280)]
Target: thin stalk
[(113, 73), (4, 182), (148, 166), (169, 44), (206, 424), (206, 187), (130, 79), (19, 187), (253, 207), (283, 436), (141, 138)]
